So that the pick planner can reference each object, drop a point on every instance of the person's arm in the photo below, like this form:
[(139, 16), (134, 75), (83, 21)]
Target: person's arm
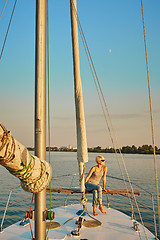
[(89, 174), (104, 177)]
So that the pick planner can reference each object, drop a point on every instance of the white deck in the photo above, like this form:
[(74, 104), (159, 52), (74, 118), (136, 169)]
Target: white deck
[(115, 225)]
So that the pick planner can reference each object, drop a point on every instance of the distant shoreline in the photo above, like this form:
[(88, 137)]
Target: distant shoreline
[(144, 149)]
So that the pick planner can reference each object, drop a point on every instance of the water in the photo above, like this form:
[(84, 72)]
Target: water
[(140, 169)]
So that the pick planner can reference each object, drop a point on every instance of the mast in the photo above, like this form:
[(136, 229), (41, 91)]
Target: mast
[(82, 153), (40, 111)]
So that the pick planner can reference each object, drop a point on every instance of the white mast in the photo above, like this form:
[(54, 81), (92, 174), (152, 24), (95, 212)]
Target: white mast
[(40, 111), (82, 153)]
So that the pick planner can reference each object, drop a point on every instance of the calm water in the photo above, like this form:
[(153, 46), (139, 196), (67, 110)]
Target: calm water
[(140, 169)]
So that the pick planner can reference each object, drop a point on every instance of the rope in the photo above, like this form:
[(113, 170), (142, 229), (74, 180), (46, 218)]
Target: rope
[(93, 70), (72, 219), (23, 177), (66, 175), (13, 204), (151, 116), (83, 199), (17, 173), (8, 29), (65, 203), (49, 125), (73, 9), (5, 143), (116, 150), (85, 209), (3, 9), (29, 217), (4, 138)]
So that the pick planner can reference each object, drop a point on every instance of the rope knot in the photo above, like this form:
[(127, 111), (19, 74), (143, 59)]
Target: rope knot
[(83, 199)]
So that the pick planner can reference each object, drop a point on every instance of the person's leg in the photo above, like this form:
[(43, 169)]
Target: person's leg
[(93, 188), (94, 202), (99, 190), (101, 208)]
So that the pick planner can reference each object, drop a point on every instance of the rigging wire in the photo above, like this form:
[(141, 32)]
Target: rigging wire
[(49, 125), (104, 102), (82, 152), (65, 203), (103, 109), (8, 29), (29, 217), (3, 9), (48, 71), (151, 117)]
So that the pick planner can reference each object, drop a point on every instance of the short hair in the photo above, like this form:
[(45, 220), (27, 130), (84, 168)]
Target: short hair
[(99, 158)]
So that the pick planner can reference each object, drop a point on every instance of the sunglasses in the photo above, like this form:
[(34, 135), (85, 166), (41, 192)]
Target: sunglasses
[(102, 160)]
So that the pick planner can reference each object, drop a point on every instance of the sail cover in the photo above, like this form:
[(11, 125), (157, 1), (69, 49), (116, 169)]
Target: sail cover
[(82, 151), (33, 172)]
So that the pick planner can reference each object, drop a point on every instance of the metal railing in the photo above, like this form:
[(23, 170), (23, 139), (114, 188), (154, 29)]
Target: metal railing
[(143, 205), (76, 174)]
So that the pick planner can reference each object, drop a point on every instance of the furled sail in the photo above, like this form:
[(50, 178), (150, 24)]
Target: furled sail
[(33, 172), (82, 151)]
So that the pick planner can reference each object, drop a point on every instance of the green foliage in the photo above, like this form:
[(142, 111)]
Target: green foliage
[(144, 149), (128, 149)]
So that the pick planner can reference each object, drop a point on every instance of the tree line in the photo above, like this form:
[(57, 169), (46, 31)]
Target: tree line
[(144, 149)]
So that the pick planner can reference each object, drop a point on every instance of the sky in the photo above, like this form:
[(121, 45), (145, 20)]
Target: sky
[(114, 33)]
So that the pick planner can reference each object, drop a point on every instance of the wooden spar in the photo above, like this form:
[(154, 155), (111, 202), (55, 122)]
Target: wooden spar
[(111, 192)]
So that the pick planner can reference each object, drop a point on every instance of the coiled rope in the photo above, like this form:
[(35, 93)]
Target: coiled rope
[(85, 209), (151, 117)]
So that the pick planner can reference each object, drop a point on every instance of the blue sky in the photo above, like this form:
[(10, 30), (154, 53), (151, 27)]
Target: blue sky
[(114, 33)]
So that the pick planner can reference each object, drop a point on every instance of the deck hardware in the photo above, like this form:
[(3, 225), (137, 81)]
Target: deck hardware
[(24, 222), (48, 215), (136, 226), (75, 232), (79, 222), (30, 215), (80, 213)]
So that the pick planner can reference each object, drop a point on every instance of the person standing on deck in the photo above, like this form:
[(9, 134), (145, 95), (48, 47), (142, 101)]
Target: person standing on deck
[(92, 183)]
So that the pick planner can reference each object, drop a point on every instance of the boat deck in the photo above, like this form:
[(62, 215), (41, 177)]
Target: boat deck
[(115, 225)]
